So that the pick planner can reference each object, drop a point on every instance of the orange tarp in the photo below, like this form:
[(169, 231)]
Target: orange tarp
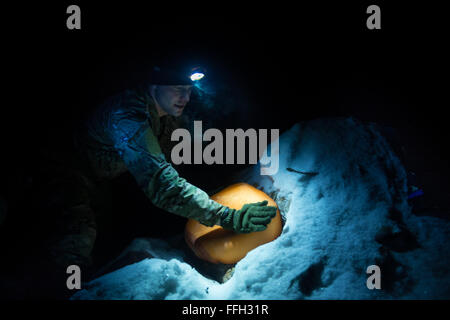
[(217, 245)]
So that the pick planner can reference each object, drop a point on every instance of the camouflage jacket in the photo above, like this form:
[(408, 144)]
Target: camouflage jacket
[(122, 134)]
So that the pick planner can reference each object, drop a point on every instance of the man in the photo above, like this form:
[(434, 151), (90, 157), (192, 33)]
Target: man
[(125, 134)]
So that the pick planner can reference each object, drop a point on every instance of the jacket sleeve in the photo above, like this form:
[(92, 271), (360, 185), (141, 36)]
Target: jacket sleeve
[(139, 148)]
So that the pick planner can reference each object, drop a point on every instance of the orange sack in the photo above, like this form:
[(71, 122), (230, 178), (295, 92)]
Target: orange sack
[(218, 245)]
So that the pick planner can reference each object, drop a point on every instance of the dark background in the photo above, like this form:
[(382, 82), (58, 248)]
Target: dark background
[(283, 64), (291, 63)]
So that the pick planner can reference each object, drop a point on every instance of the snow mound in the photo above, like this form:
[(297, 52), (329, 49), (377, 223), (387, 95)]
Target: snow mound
[(342, 194)]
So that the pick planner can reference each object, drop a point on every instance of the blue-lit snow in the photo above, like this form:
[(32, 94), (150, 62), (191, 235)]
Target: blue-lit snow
[(332, 220)]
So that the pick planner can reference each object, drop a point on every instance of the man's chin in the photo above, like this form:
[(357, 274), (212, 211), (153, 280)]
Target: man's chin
[(178, 113)]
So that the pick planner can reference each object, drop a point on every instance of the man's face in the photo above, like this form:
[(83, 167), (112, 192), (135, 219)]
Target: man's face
[(173, 99)]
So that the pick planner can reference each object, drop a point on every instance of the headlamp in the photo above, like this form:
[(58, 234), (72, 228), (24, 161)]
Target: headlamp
[(197, 74), (173, 75)]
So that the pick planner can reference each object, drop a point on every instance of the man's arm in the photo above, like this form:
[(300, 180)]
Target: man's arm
[(139, 148)]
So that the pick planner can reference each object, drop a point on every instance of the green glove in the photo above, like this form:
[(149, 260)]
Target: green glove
[(252, 217)]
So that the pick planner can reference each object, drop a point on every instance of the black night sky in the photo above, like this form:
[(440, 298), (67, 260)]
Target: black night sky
[(292, 63)]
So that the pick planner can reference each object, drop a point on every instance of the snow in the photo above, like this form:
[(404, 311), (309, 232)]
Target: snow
[(332, 221)]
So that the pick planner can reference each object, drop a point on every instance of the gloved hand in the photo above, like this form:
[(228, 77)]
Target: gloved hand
[(252, 217)]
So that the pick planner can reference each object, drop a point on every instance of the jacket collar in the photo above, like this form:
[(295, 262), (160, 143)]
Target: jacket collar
[(151, 111)]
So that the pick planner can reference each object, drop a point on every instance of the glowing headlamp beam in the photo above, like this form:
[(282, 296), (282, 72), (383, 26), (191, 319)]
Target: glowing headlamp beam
[(197, 76)]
